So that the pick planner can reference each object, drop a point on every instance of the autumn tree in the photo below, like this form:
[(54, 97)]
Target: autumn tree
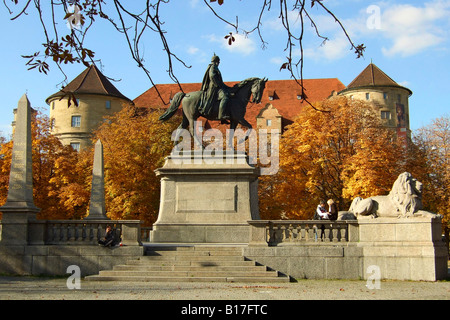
[(54, 169), (432, 144), (340, 153), (135, 143)]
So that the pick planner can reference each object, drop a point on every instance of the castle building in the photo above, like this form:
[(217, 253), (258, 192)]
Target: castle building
[(388, 98), (280, 104), (282, 100), (78, 109)]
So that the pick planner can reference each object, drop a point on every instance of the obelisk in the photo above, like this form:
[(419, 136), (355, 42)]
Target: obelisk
[(19, 207), (97, 204)]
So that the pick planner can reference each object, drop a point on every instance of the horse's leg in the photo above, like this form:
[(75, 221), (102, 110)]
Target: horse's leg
[(246, 124), (233, 126), (191, 120), (194, 133), (183, 126), (191, 115)]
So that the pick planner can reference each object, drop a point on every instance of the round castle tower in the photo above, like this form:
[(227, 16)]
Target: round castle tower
[(389, 98), (95, 96)]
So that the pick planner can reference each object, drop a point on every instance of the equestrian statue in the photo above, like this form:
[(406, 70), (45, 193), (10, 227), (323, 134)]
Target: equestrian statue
[(216, 101)]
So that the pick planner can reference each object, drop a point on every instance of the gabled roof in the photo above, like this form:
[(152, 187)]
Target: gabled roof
[(90, 81), (372, 76), (284, 93)]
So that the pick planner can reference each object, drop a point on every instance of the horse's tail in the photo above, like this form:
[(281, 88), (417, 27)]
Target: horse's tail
[(176, 101)]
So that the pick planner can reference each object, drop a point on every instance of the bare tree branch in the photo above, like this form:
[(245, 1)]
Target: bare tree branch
[(71, 48)]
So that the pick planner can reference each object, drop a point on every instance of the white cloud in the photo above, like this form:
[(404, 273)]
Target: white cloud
[(242, 45), (193, 50), (278, 61), (193, 3), (404, 30), (412, 29), (332, 49)]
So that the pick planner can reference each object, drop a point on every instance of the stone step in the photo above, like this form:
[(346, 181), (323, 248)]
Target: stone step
[(201, 263), (191, 258), (194, 248), (219, 273), (203, 253), (249, 268), (191, 263), (281, 279)]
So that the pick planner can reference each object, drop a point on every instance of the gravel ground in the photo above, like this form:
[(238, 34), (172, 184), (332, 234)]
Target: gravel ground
[(218, 300), (36, 288)]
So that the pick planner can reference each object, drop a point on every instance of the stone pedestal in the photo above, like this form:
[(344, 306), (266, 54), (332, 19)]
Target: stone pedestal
[(206, 199), (404, 249)]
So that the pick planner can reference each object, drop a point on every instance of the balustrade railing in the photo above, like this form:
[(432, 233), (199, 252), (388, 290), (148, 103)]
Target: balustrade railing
[(83, 232), (302, 231), (67, 232), (130, 232)]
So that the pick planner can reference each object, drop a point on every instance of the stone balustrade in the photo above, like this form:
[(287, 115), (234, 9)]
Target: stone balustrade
[(82, 232), (267, 232)]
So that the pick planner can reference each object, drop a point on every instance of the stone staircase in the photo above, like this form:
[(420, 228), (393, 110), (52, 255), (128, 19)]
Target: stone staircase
[(199, 263)]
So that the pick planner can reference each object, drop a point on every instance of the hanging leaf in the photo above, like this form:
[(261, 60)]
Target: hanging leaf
[(230, 38)]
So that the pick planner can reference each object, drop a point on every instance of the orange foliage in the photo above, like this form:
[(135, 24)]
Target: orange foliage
[(134, 146), (340, 153), (432, 146), (54, 168)]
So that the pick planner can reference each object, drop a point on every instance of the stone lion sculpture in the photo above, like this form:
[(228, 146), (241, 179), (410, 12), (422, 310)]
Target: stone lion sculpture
[(403, 201)]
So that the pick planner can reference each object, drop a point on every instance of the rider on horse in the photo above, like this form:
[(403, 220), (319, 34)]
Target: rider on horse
[(214, 90)]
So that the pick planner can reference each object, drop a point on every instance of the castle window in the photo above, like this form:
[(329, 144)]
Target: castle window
[(367, 96), (53, 105), (385, 115), (75, 146), (385, 95), (52, 123), (108, 104), (268, 122), (78, 103), (76, 121)]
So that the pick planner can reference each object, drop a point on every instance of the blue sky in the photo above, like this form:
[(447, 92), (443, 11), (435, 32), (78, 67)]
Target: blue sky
[(409, 40)]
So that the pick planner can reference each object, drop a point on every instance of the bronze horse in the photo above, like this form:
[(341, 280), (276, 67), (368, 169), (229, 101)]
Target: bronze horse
[(240, 97)]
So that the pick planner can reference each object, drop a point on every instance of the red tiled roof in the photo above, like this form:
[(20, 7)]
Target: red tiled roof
[(284, 94)]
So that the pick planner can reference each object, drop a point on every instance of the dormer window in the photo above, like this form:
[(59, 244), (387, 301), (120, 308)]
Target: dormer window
[(271, 95)]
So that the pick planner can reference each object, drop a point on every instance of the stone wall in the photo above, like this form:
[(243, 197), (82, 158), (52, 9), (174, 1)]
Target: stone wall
[(401, 249), (311, 261), (50, 246), (55, 259)]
